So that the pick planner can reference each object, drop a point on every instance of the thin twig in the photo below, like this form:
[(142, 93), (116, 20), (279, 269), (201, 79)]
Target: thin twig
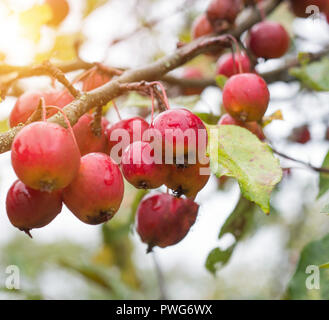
[(160, 277), (60, 76), (308, 165)]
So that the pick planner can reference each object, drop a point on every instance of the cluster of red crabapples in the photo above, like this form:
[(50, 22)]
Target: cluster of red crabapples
[(74, 166)]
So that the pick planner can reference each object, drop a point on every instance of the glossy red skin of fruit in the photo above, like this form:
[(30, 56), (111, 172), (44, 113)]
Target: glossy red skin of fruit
[(246, 97), (29, 101), (201, 27), (268, 40), (87, 140), (127, 125), (225, 64), (95, 80), (139, 167), (28, 208), (186, 179), (192, 73), (327, 16), (187, 123), (253, 127), (299, 6), (300, 135), (45, 156), (60, 9), (96, 193), (227, 10), (163, 220)]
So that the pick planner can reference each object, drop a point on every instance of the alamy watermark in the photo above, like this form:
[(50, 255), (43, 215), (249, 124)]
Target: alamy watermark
[(312, 282), (12, 280)]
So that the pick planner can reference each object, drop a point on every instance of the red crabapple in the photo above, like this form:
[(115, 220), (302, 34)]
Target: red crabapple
[(246, 97), (192, 73), (96, 192), (86, 138), (201, 27), (223, 11), (28, 208), (300, 134), (132, 127), (253, 126), (140, 168), (180, 129), (45, 156), (163, 220), (268, 40), (95, 80), (27, 103), (226, 66), (187, 179)]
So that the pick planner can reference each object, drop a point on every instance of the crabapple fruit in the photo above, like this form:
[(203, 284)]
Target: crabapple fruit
[(45, 156), (201, 27), (133, 127), (86, 138), (28, 208), (140, 168), (246, 97), (180, 130), (268, 40), (227, 67), (96, 192), (300, 134), (27, 103), (95, 80), (192, 73), (163, 220), (187, 179), (253, 126), (220, 11)]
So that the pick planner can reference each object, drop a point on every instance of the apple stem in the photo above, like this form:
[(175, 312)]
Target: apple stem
[(44, 111), (261, 9), (237, 48), (163, 92), (67, 123), (116, 110), (152, 98)]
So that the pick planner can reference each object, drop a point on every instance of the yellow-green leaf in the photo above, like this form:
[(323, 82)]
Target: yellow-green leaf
[(236, 152)]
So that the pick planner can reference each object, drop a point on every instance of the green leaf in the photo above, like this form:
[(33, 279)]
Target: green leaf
[(237, 224), (314, 75), (324, 266), (221, 80), (208, 118), (236, 152), (314, 254), (239, 221), (324, 178), (217, 256)]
